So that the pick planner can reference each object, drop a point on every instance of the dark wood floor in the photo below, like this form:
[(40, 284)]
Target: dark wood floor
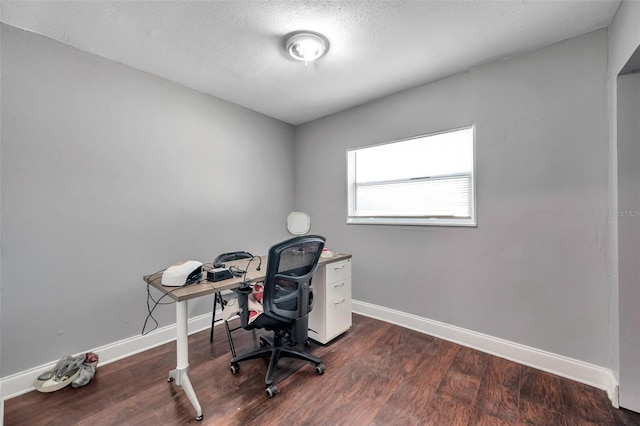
[(376, 374)]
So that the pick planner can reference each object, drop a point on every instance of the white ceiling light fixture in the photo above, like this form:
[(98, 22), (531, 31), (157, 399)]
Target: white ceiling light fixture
[(306, 46)]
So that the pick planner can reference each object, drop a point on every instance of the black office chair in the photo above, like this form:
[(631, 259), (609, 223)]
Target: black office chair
[(286, 302), (217, 298)]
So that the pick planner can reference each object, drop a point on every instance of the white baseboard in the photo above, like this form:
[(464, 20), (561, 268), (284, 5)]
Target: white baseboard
[(20, 383), (592, 375)]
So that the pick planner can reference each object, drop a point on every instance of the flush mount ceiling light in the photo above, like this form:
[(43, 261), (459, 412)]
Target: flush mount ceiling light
[(306, 46)]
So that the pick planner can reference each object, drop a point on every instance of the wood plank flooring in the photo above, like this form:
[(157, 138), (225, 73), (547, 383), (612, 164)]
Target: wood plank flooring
[(376, 374)]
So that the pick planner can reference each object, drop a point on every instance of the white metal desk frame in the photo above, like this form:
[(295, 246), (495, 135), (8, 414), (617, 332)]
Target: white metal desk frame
[(181, 295)]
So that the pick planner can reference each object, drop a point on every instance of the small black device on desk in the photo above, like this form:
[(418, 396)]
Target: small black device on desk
[(219, 272)]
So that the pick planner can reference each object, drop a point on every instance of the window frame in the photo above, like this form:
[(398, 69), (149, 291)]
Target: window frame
[(418, 220)]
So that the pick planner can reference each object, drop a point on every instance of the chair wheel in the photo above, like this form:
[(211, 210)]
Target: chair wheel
[(235, 368), (307, 343), (320, 369), (271, 391)]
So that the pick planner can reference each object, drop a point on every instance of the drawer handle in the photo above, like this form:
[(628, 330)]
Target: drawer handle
[(339, 285), (335, 268), (340, 302)]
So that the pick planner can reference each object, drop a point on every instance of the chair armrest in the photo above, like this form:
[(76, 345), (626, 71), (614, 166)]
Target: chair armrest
[(243, 303)]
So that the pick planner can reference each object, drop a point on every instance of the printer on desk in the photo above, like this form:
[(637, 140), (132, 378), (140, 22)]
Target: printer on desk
[(182, 273)]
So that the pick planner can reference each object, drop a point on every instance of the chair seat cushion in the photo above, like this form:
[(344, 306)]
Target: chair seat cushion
[(268, 323)]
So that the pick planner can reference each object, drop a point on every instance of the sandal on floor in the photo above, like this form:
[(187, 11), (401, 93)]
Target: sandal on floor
[(87, 370), (64, 372)]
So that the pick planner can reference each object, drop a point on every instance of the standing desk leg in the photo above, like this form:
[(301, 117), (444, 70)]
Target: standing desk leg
[(180, 374)]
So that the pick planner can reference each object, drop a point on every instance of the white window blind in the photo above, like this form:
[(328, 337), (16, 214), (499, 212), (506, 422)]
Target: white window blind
[(419, 181)]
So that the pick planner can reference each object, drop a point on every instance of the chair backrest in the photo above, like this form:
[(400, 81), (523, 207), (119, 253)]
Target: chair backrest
[(287, 287)]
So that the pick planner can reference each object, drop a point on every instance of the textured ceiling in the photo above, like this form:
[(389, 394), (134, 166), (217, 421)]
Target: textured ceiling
[(234, 49)]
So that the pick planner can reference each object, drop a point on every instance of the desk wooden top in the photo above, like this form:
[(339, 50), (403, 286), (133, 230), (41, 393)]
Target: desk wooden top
[(205, 287)]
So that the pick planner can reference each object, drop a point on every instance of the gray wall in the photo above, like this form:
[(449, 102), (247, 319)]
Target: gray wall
[(109, 173), (534, 270), (628, 213)]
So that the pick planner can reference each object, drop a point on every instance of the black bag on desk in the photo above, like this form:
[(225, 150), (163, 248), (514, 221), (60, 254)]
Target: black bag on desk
[(227, 257)]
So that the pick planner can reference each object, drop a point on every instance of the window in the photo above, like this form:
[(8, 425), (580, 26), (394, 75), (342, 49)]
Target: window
[(426, 180)]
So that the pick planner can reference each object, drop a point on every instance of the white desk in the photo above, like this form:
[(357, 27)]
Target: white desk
[(182, 294)]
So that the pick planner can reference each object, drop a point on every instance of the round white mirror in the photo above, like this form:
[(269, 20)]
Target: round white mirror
[(298, 223)]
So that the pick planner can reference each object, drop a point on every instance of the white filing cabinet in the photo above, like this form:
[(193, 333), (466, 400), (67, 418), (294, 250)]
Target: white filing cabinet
[(331, 314)]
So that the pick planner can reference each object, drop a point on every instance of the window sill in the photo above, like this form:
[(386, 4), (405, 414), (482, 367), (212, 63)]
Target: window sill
[(411, 221)]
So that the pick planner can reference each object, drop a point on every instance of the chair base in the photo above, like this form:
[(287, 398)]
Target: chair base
[(274, 351)]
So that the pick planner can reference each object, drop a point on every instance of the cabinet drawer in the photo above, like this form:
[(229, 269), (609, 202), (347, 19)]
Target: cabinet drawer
[(338, 316), (338, 271), (339, 289)]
